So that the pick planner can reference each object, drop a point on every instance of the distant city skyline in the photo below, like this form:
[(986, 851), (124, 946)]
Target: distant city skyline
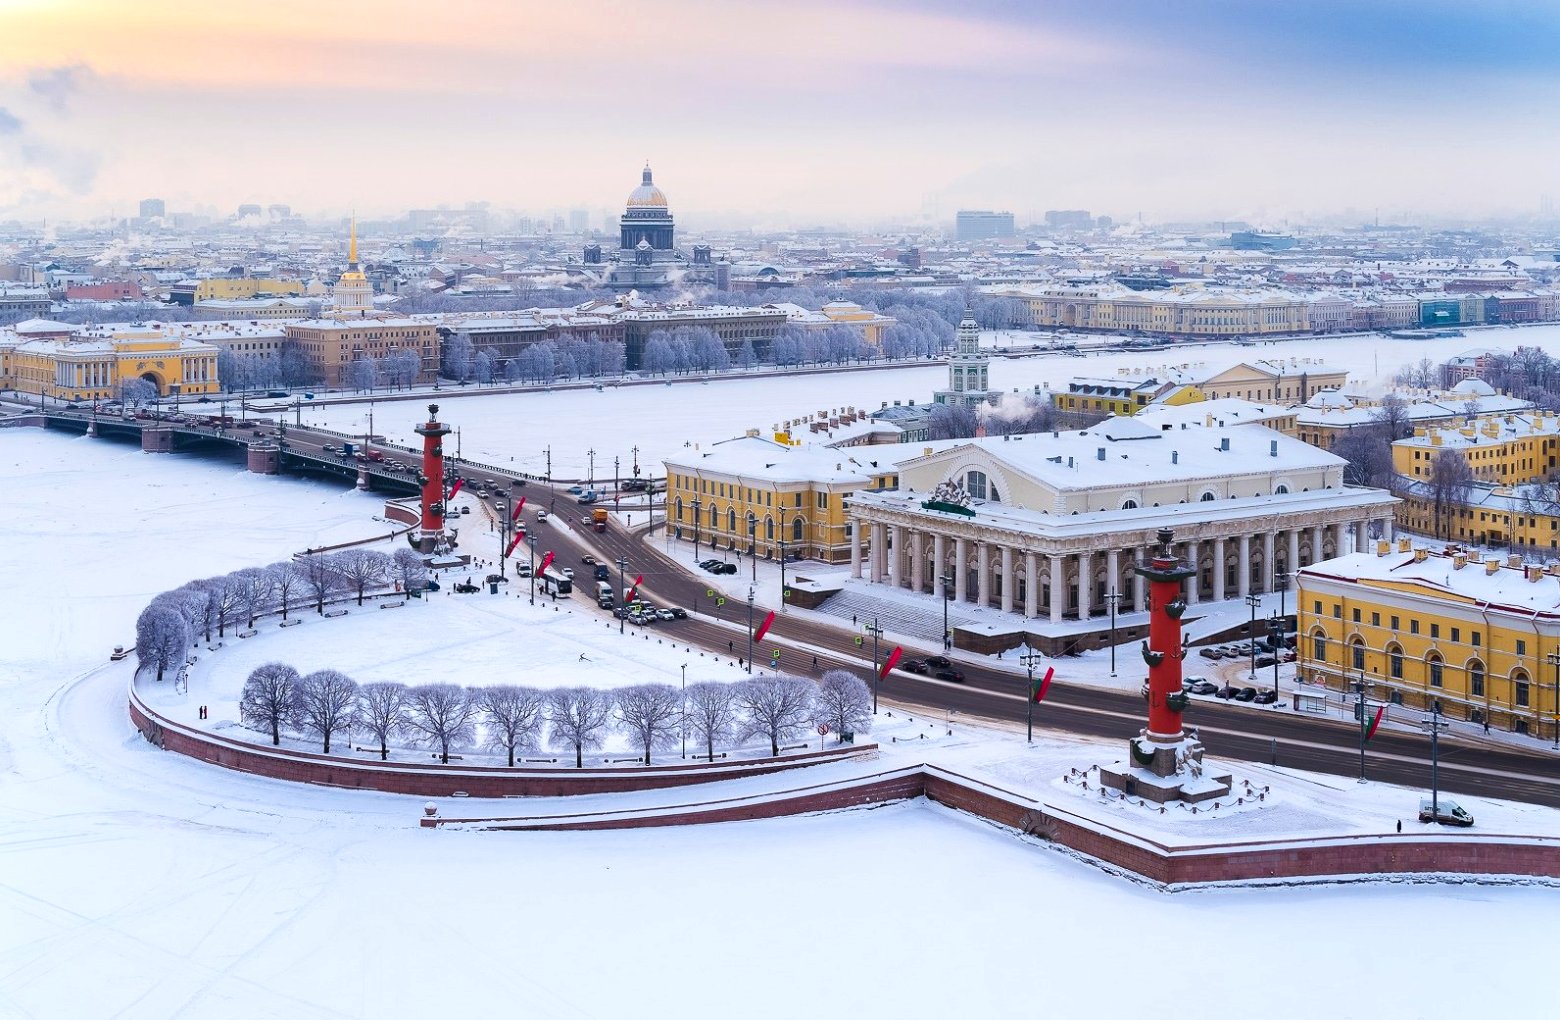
[(771, 115)]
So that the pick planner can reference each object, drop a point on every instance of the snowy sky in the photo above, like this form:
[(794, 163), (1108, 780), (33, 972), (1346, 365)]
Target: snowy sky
[(836, 111)]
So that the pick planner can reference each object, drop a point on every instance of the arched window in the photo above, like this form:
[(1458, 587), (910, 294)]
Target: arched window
[(731, 521), (714, 516), (679, 508), (1207, 497), (975, 483), (1357, 647), (1475, 678), (1435, 670), (1130, 504), (1319, 645), (752, 523), (1281, 490), (1519, 683), (769, 528), (1395, 662), (796, 530)]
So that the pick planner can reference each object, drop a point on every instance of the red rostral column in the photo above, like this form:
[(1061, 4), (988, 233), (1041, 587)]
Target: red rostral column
[(1165, 574), (433, 434)]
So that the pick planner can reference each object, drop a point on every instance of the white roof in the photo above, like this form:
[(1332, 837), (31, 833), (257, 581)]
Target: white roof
[(752, 457), (1506, 587)]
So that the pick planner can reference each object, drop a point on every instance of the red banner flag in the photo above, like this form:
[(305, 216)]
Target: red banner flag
[(763, 628), (518, 506), (634, 590), (454, 489), (888, 663), (1375, 722), (510, 551), (1043, 685), (546, 562)]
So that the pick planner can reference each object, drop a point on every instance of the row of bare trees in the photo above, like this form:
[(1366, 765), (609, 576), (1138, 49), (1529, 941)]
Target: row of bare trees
[(174, 620), (516, 720)]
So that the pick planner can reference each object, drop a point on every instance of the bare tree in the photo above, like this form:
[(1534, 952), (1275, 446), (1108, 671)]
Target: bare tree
[(1450, 484), (362, 569), (712, 713), (321, 579), (843, 702), (196, 604), (1369, 458), (1391, 418), (162, 637), (256, 587), (947, 421), (323, 703), (650, 712), (409, 570), (579, 717), (227, 596), (777, 707), (513, 716), (443, 714), (381, 711), (287, 582), (267, 698)]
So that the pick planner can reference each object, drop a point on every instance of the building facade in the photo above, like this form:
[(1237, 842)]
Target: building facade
[(969, 384), (93, 367), (647, 248)]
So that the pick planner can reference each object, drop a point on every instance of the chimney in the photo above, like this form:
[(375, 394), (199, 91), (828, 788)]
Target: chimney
[(1533, 572), (1382, 548), (926, 451), (1175, 456), (1224, 444), (1272, 448), (1099, 454), (1475, 556), (1069, 462), (1513, 560), (1459, 560), (1420, 555), (1404, 545), (1493, 567)]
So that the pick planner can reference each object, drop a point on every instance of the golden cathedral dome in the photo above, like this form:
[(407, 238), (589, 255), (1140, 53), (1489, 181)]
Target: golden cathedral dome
[(647, 195)]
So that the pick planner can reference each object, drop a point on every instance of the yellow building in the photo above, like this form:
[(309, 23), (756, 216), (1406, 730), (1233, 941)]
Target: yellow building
[(244, 288), (1503, 449), (1124, 396), (754, 495), (1479, 635), (1523, 517), (91, 366), (835, 313)]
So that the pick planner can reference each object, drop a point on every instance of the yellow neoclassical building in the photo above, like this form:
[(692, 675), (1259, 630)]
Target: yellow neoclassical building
[(1502, 449), (757, 495), (1479, 634), (91, 366)]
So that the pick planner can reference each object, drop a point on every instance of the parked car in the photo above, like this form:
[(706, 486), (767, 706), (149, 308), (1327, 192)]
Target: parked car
[(727, 568), (917, 666), (951, 675), (665, 614), (1210, 652), (497, 578), (1266, 697), (1263, 661), (1205, 687), (462, 588), (678, 613), (465, 510), (1443, 810), (1246, 694), (621, 612), (1225, 692)]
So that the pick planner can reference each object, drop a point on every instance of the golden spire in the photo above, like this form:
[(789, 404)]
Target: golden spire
[(352, 245)]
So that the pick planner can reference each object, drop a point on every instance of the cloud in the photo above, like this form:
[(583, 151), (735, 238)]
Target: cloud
[(74, 169), (10, 124), (57, 85)]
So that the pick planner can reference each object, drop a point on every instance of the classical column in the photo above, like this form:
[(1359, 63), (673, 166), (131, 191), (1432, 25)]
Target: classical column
[(1340, 529), (1218, 569), (1113, 573), (961, 575), (917, 561), (983, 574), (1139, 589), (895, 552), (1193, 585), (876, 552), (855, 550), (1386, 529), (1269, 568), (940, 555), (1243, 568), (1085, 584), (1361, 535), (1007, 579), (1058, 597), (1294, 550), (1031, 584), (1316, 544)]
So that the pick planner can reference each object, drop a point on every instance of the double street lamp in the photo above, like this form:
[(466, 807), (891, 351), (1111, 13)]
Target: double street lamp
[(1253, 600), (1030, 659), (946, 580), (750, 631), (622, 613), (1553, 658), (1113, 598), (877, 674)]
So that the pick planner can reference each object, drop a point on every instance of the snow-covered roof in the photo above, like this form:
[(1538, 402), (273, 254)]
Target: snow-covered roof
[(752, 457), (1511, 587)]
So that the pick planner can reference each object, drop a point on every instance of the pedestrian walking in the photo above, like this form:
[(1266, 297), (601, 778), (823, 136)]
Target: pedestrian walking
[(815, 662), (1400, 825), (1486, 725)]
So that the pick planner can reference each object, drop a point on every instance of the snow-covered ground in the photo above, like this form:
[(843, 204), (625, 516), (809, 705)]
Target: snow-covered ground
[(142, 884)]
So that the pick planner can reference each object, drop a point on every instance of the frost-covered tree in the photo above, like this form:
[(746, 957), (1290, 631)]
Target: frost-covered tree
[(409, 570), (747, 357), (136, 391), (362, 569), (948, 421), (843, 702), (455, 362), (323, 704), (443, 714), (658, 357), (512, 717), (361, 374), (266, 702), (650, 714), (321, 579), (713, 715), (482, 367), (256, 588), (381, 712), (227, 599), (578, 718), (776, 707), (162, 637), (287, 583)]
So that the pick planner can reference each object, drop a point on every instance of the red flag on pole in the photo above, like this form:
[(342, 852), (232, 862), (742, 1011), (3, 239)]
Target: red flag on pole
[(888, 663), (634, 590), (763, 628), (511, 549), (1375, 722), (516, 515), (1038, 691), (546, 562), (456, 487)]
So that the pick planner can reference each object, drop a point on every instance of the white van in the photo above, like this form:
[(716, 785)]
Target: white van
[(603, 590)]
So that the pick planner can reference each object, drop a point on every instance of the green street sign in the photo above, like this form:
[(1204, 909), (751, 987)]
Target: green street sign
[(786, 594), (720, 602), (709, 593)]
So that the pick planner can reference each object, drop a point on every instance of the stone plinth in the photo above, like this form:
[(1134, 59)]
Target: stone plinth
[(1164, 772), (264, 458), (156, 440)]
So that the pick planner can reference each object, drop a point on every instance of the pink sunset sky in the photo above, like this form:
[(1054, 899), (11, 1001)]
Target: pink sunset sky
[(767, 114)]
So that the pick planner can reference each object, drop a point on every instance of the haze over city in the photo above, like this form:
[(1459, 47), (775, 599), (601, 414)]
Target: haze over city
[(768, 115)]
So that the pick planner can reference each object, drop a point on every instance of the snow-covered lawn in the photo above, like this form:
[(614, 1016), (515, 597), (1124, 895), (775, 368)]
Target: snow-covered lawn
[(143, 884)]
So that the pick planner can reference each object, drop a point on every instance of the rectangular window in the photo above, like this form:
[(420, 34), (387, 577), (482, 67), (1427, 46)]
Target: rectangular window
[(1356, 616), (1337, 611), (1522, 694), (1317, 607), (1435, 630), (1413, 626), (1395, 627), (1476, 642), (1375, 619), (1456, 634), (1521, 645)]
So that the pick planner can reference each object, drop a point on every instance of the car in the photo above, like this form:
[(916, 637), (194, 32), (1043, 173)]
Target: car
[(522, 570), (1246, 694), (603, 572), (1210, 652), (1444, 811), (728, 568), (203, 400), (1188, 681), (1263, 661), (588, 560), (462, 588), (950, 675), (1266, 697), (575, 490), (678, 613), (916, 666), (621, 612), (939, 662), (465, 509), (496, 578), (1205, 687), (541, 515), (1287, 655), (606, 602), (501, 506), (665, 614), (1226, 692), (568, 572), (329, 448)]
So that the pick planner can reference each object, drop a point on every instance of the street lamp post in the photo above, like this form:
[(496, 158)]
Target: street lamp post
[(530, 541), (1359, 686), (590, 476), (877, 677), (503, 543), (1113, 598), (1435, 725), (697, 508), (1030, 658), (684, 725), (622, 565), (617, 485), (1276, 632), (783, 588), (1253, 600), (753, 545), (947, 596), (1554, 660), (750, 631)]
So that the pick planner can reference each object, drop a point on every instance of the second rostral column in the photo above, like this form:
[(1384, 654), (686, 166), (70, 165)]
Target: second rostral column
[(431, 535)]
